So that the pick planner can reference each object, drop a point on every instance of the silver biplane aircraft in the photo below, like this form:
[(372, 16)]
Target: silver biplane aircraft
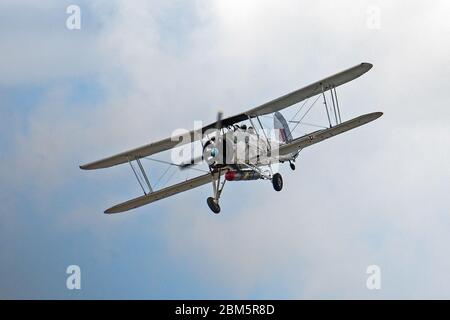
[(234, 151)]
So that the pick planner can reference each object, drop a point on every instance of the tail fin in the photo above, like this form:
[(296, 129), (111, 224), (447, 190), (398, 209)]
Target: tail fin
[(280, 123)]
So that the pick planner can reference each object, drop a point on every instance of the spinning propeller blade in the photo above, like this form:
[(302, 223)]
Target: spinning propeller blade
[(219, 120), (199, 159)]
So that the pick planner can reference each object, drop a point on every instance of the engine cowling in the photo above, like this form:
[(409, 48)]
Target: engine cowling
[(218, 152), (211, 152)]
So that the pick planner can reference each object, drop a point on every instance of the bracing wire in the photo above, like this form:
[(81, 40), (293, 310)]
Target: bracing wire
[(161, 176), (170, 177), (165, 173), (311, 124), (300, 109), (303, 117), (174, 164)]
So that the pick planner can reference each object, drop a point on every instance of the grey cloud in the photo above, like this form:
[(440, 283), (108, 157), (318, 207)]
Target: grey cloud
[(373, 196)]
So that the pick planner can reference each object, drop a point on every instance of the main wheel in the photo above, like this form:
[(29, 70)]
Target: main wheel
[(277, 182), (213, 205)]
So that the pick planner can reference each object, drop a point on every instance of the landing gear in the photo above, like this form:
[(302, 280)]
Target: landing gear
[(213, 205), (277, 182), (213, 202), (292, 165)]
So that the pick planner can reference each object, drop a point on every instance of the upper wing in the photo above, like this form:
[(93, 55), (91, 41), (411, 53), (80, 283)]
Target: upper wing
[(320, 135), (311, 90), (269, 107), (141, 152), (161, 194), (300, 94)]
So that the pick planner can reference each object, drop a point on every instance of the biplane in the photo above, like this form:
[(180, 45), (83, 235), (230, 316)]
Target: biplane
[(236, 151)]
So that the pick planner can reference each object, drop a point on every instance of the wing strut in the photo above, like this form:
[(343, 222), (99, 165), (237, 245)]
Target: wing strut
[(139, 177), (334, 106), (334, 109), (326, 107), (337, 103)]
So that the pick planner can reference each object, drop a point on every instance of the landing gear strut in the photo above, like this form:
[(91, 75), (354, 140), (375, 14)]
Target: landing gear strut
[(277, 182), (213, 202), (213, 205)]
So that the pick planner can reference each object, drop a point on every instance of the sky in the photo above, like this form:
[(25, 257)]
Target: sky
[(137, 70)]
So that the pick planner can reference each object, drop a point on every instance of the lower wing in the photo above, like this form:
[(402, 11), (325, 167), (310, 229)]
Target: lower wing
[(320, 135), (161, 194)]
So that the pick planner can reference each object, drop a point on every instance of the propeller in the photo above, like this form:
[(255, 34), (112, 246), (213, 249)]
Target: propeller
[(199, 159), (219, 120)]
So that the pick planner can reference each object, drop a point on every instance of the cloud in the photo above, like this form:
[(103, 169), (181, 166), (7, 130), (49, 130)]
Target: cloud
[(375, 195)]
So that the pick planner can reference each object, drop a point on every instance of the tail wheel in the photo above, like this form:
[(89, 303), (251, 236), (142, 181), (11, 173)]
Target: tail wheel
[(213, 205), (277, 182), (292, 165)]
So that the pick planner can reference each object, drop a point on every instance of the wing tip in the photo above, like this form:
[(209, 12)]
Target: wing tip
[(111, 210), (92, 166), (378, 114), (372, 116), (367, 66), (116, 209)]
